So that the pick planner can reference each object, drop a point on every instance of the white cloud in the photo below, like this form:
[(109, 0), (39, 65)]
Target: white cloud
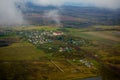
[(53, 15), (48, 2), (9, 14), (111, 4)]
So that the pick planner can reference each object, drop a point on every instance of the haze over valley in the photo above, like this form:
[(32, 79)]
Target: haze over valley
[(59, 40)]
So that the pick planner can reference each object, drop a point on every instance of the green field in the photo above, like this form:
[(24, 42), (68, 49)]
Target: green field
[(35, 62), (20, 51)]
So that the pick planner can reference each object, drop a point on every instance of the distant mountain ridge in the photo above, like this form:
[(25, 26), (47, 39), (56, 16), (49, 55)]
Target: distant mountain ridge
[(72, 15)]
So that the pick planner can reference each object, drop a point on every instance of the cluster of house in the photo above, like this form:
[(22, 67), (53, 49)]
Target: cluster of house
[(5, 32), (40, 37), (86, 63), (78, 42), (64, 49), (57, 33)]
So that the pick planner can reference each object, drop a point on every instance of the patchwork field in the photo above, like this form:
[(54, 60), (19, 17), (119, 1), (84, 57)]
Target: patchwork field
[(104, 35), (20, 51), (72, 54)]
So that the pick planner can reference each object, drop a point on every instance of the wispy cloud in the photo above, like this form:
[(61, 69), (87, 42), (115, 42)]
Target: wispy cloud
[(111, 4), (9, 13), (48, 2), (53, 15)]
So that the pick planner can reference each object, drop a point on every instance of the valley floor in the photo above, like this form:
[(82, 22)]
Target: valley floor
[(40, 53)]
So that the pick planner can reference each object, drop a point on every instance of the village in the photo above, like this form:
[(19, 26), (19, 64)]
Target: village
[(57, 44), (41, 37)]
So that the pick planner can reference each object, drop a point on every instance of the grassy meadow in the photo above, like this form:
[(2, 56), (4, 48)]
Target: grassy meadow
[(20, 51), (33, 63)]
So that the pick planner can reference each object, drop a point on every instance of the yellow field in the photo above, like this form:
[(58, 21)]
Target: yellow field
[(36, 28), (20, 51), (104, 35)]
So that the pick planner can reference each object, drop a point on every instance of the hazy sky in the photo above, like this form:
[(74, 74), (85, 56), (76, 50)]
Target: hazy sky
[(10, 14), (111, 4)]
